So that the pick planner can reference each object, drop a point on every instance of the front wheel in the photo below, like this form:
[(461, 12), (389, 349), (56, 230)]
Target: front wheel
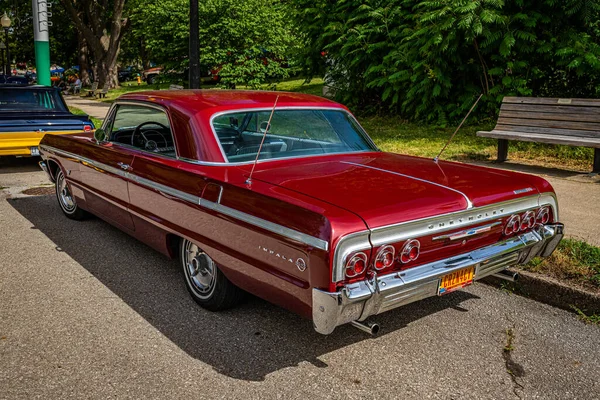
[(205, 281), (66, 201)]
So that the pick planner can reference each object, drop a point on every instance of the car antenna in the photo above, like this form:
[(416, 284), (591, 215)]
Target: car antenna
[(461, 124), (249, 180)]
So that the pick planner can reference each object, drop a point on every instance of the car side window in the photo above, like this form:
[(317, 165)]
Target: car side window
[(145, 128)]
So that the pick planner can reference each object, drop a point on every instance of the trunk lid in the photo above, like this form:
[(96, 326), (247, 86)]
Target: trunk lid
[(47, 123), (384, 188)]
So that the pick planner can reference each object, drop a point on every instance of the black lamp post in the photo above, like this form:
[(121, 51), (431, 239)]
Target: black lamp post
[(194, 46), (6, 24), (2, 47)]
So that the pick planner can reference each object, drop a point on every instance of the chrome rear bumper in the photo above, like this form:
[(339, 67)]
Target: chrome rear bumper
[(358, 301)]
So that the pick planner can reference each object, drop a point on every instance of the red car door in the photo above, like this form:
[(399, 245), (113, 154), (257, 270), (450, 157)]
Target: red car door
[(129, 127), (105, 178)]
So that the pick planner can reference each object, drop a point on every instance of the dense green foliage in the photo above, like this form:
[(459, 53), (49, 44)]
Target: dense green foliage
[(430, 60), (63, 37), (248, 41)]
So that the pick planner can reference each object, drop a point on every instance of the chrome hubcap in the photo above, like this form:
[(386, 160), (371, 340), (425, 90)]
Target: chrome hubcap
[(64, 195), (200, 269)]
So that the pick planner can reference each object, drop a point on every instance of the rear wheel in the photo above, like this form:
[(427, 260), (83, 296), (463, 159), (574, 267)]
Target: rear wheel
[(205, 281), (66, 201)]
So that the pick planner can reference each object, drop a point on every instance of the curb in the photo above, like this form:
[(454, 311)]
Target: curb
[(550, 291)]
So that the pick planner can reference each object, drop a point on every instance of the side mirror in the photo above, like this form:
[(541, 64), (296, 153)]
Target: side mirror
[(100, 135)]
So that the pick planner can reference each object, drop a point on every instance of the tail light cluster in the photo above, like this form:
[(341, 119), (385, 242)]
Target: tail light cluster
[(357, 264), (522, 222)]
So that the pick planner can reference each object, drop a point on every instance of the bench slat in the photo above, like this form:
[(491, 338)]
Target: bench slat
[(540, 138), (551, 116), (552, 100), (542, 123), (548, 109), (547, 132)]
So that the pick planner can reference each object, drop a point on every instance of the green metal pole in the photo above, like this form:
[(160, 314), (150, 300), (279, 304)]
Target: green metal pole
[(42, 45)]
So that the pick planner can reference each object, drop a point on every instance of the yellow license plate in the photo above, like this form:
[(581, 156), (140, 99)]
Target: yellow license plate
[(456, 280)]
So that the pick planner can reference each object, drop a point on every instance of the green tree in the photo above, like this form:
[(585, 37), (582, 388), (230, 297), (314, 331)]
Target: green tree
[(62, 34), (248, 41), (431, 59), (102, 23)]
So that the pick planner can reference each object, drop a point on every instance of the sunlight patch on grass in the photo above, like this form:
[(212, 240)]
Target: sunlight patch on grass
[(574, 261), (97, 122)]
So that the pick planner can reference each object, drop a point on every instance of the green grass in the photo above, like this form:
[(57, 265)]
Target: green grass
[(314, 86), (588, 319), (394, 134), (573, 261), (127, 87), (97, 122)]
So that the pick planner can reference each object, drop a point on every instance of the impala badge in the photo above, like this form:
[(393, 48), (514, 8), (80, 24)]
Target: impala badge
[(300, 263)]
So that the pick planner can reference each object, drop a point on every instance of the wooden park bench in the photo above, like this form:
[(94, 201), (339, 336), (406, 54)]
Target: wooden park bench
[(92, 91), (572, 122), (102, 94)]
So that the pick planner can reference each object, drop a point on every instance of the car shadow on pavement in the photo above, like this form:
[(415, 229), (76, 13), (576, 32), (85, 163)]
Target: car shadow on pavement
[(12, 165), (248, 342)]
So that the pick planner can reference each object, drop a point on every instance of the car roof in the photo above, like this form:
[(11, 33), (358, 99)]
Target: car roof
[(194, 101)]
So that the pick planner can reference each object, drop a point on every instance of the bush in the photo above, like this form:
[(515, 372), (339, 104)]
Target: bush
[(429, 60)]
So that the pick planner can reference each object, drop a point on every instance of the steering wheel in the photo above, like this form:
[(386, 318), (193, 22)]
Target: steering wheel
[(138, 131)]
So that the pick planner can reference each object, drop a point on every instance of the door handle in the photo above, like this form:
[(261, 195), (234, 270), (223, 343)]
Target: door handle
[(124, 166)]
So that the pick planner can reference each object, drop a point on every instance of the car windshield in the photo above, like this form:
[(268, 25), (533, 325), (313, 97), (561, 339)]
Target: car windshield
[(13, 99), (292, 133)]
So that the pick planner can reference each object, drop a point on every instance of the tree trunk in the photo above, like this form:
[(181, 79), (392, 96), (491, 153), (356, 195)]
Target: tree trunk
[(108, 73), (103, 28), (144, 56), (84, 65)]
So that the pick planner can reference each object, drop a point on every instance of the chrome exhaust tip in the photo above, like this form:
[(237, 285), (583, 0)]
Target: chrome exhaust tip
[(371, 328), (507, 275)]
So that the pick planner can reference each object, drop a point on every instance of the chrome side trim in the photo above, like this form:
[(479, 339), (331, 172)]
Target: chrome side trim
[(196, 200), (469, 203), (267, 225), (190, 198)]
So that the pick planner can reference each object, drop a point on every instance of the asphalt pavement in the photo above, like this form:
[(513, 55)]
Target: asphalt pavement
[(88, 312)]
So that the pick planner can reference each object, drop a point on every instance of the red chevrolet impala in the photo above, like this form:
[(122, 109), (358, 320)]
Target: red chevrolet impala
[(284, 195)]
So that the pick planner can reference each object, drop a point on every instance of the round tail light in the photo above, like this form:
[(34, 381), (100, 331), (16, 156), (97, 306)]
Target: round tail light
[(410, 251), (356, 265), (528, 220), (543, 216), (385, 257), (513, 225)]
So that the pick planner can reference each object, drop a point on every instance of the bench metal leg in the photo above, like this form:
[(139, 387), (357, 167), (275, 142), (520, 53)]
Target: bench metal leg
[(596, 168), (502, 150)]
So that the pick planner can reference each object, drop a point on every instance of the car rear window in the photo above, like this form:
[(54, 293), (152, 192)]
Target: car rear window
[(13, 99), (293, 133)]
